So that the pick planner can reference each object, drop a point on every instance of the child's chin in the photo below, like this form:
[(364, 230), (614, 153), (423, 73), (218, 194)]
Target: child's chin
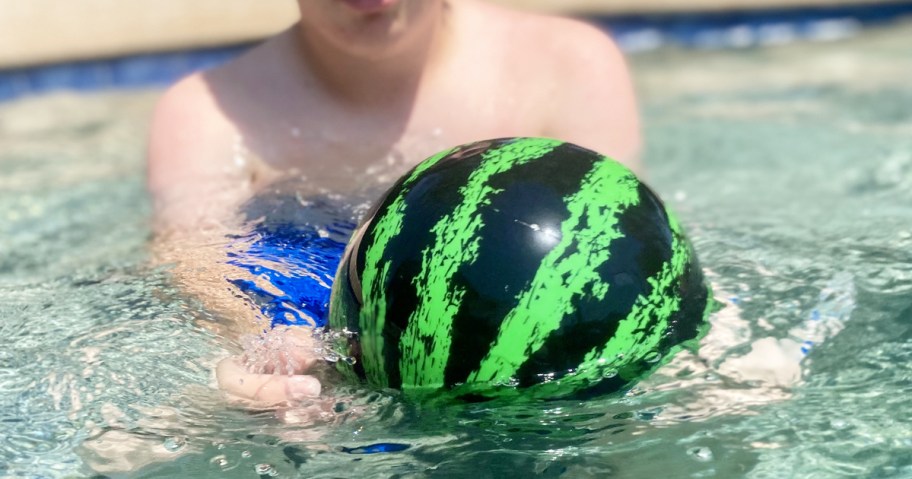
[(370, 6)]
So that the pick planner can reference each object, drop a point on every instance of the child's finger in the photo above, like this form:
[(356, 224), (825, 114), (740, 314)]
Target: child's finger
[(267, 388), (302, 349)]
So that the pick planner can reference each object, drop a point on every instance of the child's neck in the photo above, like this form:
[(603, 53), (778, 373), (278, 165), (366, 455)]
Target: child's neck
[(387, 79)]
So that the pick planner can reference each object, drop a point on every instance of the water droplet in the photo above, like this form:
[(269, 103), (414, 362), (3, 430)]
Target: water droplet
[(221, 461), (510, 382), (653, 357), (174, 444), (266, 470), (702, 454), (634, 392), (323, 233), (839, 424), (648, 414), (302, 201)]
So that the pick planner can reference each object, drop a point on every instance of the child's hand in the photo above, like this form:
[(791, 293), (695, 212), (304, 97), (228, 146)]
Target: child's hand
[(272, 369)]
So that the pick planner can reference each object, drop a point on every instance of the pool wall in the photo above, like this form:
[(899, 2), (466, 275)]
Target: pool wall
[(227, 27), (51, 31)]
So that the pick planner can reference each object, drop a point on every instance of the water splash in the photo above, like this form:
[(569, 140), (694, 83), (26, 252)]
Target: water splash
[(828, 317), (332, 345)]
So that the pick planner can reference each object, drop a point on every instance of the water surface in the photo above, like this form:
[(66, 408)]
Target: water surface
[(791, 167)]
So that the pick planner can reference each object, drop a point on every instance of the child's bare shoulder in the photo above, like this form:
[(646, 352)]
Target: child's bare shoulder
[(197, 99), (185, 101), (548, 39), (183, 119), (190, 130), (572, 71), (192, 100)]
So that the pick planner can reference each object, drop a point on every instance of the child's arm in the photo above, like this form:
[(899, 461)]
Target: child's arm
[(198, 177)]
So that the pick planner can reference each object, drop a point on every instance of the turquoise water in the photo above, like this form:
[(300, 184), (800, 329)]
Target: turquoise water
[(791, 167)]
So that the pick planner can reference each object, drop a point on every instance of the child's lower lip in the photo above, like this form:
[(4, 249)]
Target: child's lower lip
[(369, 6)]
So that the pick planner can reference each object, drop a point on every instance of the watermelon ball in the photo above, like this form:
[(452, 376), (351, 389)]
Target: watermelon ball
[(516, 266)]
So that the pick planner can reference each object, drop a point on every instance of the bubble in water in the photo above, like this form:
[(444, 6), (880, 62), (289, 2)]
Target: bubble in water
[(648, 414), (301, 200), (246, 454), (653, 357), (266, 470), (510, 382), (174, 444), (221, 461), (609, 373), (328, 345), (269, 351), (702, 454), (839, 424)]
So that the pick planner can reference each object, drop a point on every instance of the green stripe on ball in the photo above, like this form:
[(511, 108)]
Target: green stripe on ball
[(518, 266)]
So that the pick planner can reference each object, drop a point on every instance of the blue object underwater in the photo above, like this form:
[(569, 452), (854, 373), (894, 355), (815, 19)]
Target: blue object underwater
[(377, 448), (298, 254)]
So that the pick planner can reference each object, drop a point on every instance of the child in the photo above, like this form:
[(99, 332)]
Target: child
[(356, 85)]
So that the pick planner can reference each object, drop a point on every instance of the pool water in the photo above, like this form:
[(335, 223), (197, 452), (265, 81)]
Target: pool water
[(791, 168)]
